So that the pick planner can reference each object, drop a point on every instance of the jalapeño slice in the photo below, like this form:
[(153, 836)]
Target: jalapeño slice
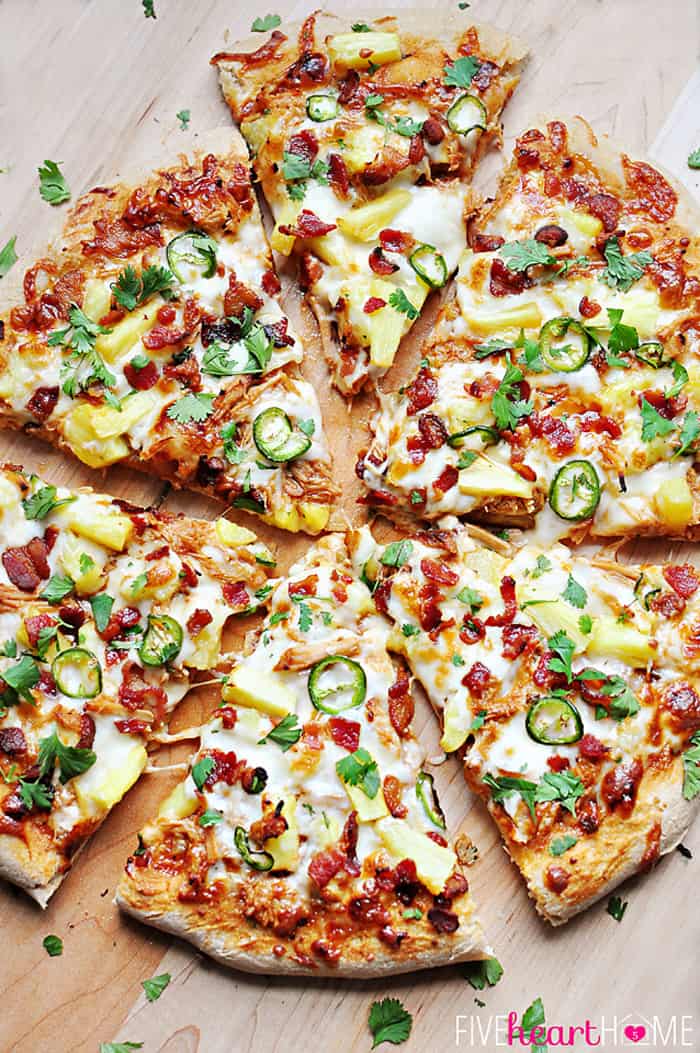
[(192, 255), (330, 688), (77, 673), (575, 491), (488, 436), (162, 641), (466, 114), (651, 353), (564, 345), (322, 107), (256, 860), (275, 437), (425, 792), (554, 721), (429, 265)]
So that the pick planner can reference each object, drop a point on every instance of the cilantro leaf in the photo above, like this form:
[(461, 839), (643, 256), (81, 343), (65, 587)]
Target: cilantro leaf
[(560, 786), (653, 424), (396, 553), (210, 818), (35, 795), (130, 290), (410, 630), (694, 159), (542, 565), (622, 338), (155, 986), (184, 117), (623, 271), (53, 945), (559, 845), (192, 407), (262, 25), (680, 379), (22, 676), (71, 760), (459, 73), (101, 605), (307, 426), (616, 907), (360, 27), (492, 347), (80, 337), (52, 183), (585, 624), (520, 255), (389, 1022), (506, 405), (285, 734), (502, 786), (473, 599), (401, 303), (8, 256), (123, 1047), (149, 12), (479, 974), (305, 617), (42, 502), (574, 593), (202, 770), (57, 587), (233, 453), (691, 769), (690, 430), (563, 649), (360, 769)]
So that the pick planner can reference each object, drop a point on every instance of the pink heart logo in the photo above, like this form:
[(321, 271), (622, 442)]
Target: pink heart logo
[(635, 1034)]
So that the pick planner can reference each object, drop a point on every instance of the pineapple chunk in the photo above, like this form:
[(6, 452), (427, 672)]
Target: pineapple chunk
[(101, 789), (359, 50), (128, 332), (550, 615), (365, 222), (674, 503), (583, 221), (462, 413), (331, 248), (286, 518), (363, 145), (256, 131), (9, 494), (614, 640), (315, 516), (180, 802), (208, 642), (368, 808), (80, 435), (107, 527), (86, 582), (286, 214), (108, 422), (285, 848), (484, 478), (96, 299), (259, 689), (456, 721), (521, 316), (486, 564), (233, 535), (434, 863)]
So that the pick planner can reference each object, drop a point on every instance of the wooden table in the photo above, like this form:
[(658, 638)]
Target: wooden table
[(95, 85)]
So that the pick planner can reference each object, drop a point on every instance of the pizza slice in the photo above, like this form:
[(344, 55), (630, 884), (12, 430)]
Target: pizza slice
[(560, 387), (106, 612), (307, 837), (363, 138), (570, 687), (152, 334)]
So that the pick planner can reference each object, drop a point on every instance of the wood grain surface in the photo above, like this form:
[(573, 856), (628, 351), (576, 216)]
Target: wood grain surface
[(93, 84)]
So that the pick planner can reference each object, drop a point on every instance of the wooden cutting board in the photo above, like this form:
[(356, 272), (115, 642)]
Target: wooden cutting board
[(95, 85)]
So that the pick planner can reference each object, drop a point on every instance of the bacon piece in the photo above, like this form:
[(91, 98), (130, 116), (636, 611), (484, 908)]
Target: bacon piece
[(87, 732), (324, 866), (396, 241), (141, 379), (136, 693), (606, 208), (379, 264), (477, 680), (392, 795), (443, 920), (504, 282), (310, 270), (12, 741), (422, 392), (681, 701), (228, 715), (447, 479), (308, 70), (401, 704), (439, 572), (517, 638), (507, 590), (552, 236), (161, 336), (306, 587), (430, 614), (557, 763), (655, 195), (198, 620), (238, 296), (236, 594), (592, 748), (619, 786), (239, 185), (304, 144), (473, 630), (557, 433), (307, 225), (596, 422), (433, 431), (271, 823), (683, 579), (374, 303), (132, 726), (480, 242), (34, 624), (588, 308), (121, 238), (42, 403), (587, 815), (26, 565), (556, 878), (271, 283), (416, 150), (338, 175), (665, 407), (345, 733), (433, 131)]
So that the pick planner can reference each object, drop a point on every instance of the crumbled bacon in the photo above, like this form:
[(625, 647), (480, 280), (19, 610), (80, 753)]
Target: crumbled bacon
[(307, 225), (683, 704), (392, 795), (238, 296), (136, 693), (447, 479), (596, 422), (42, 403), (422, 392), (481, 242), (606, 208), (325, 865), (557, 763), (556, 432), (271, 283), (161, 336), (198, 620), (304, 144), (552, 236), (434, 570), (507, 589), (433, 131), (592, 748), (683, 579), (505, 282), (34, 624), (477, 680), (236, 594), (305, 587), (345, 733), (396, 241), (587, 815), (516, 638), (27, 565), (143, 378), (401, 704), (132, 726), (443, 920), (473, 630), (338, 175), (619, 786), (433, 431), (374, 303), (588, 308), (379, 264), (87, 732), (12, 741)]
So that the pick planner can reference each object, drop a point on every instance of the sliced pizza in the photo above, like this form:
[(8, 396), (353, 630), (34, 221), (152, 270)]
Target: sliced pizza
[(561, 386), (363, 137), (106, 611), (307, 837), (570, 685), (152, 334)]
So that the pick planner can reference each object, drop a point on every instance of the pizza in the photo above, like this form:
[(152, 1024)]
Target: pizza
[(307, 836), (560, 388), (106, 613), (569, 685), (363, 137), (152, 334)]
